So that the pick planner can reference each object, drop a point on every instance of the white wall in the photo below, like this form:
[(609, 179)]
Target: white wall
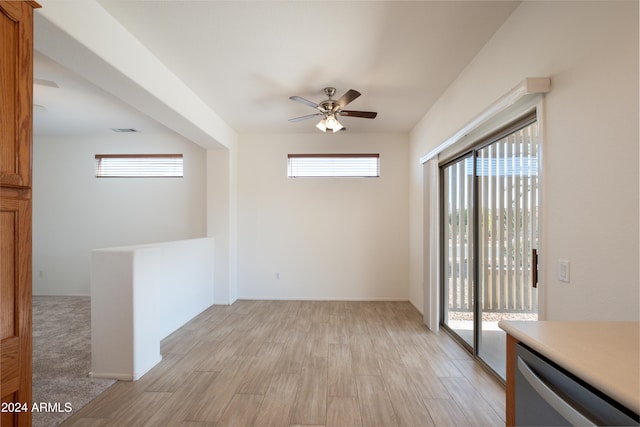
[(139, 295), (222, 220), (590, 194), (325, 238), (74, 212)]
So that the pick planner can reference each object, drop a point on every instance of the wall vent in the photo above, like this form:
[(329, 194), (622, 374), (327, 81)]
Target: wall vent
[(124, 130)]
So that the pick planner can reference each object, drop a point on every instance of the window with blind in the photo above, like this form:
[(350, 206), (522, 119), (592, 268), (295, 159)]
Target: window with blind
[(139, 166), (333, 165)]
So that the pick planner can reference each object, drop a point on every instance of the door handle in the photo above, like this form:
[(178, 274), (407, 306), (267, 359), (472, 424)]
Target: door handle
[(567, 411), (534, 268)]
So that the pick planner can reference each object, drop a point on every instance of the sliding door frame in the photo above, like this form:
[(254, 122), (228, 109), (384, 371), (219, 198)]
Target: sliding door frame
[(526, 96), (444, 261), (471, 151)]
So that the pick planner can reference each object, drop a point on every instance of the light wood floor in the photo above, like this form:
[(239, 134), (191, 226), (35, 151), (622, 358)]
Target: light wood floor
[(289, 363)]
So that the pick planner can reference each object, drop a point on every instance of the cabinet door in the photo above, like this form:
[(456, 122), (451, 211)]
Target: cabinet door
[(16, 86), (15, 306)]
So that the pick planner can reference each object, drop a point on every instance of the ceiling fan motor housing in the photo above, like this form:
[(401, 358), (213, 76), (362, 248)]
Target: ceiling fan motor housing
[(328, 106)]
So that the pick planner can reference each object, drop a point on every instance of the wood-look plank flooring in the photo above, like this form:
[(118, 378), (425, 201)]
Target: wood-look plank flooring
[(305, 363)]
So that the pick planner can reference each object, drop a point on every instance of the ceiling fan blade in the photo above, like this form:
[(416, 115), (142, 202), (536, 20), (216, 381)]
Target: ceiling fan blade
[(348, 97), (363, 114), (310, 116), (304, 101)]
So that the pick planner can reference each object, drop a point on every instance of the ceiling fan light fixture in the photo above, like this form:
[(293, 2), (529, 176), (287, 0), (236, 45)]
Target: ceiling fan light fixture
[(322, 125), (329, 122)]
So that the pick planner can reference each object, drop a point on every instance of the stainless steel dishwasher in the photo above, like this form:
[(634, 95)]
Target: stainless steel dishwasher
[(547, 395)]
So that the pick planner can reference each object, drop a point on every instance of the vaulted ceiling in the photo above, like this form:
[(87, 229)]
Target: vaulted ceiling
[(244, 59)]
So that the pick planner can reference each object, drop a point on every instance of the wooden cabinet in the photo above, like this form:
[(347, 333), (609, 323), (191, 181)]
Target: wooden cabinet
[(16, 80), (16, 88)]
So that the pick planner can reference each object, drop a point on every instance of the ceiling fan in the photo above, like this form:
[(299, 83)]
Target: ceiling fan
[(330, 109)]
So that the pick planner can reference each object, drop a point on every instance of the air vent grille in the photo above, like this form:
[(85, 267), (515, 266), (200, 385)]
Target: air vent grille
[(124, 130)]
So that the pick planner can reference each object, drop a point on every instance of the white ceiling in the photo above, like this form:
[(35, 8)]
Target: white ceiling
[(245, 58), (78, 107)]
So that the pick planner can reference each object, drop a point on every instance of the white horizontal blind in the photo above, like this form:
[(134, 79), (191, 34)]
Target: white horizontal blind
[(333, 165), (139, 165), (510, 166)]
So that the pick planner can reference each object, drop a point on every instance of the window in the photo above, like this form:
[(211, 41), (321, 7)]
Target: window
[(138, 165), (333, 165)]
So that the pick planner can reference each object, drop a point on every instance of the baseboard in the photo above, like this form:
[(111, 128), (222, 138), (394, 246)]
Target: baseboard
[(61, 295), (364, 299), (126, 376), (111, 376)]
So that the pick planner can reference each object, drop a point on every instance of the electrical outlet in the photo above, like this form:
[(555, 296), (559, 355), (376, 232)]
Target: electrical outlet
[(564, 273)]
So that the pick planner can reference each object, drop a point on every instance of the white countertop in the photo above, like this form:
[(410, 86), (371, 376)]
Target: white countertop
[(606, 355)]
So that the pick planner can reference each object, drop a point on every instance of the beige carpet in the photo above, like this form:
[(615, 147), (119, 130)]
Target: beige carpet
[(62, 358)]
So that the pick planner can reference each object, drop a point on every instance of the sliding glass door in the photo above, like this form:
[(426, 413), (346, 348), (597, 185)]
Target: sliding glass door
[(458, 253), (490, 234)]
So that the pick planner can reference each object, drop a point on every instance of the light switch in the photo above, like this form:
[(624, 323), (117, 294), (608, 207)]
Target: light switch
[(563, 270)]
